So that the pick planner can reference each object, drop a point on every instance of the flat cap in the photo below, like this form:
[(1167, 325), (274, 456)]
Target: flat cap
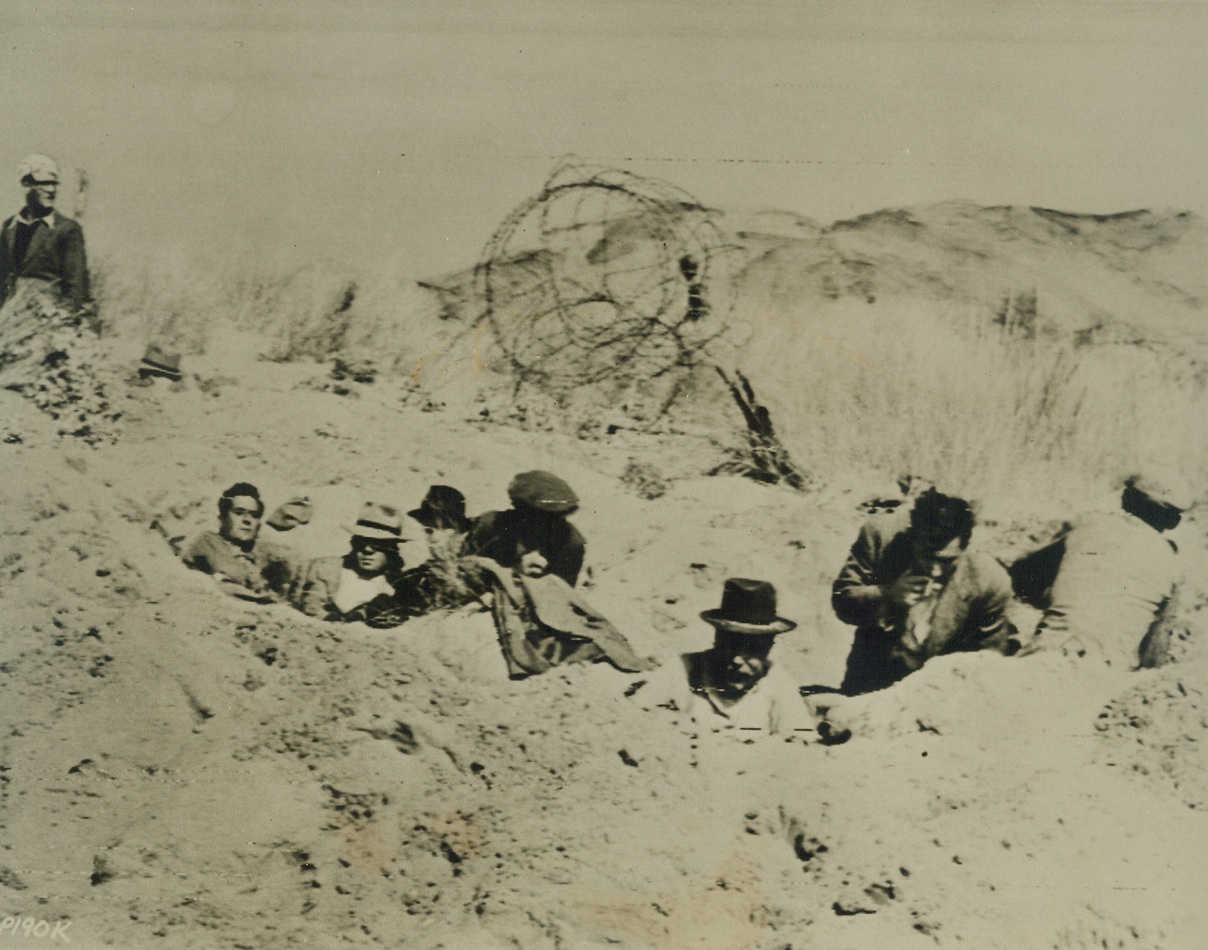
[(543, 491)]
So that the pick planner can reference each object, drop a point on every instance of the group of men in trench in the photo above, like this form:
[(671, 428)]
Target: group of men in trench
[(912, 585), (523, 563)]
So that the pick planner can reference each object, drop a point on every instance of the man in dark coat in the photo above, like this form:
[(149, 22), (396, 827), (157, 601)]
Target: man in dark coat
[(534, 535), (38, 245), (913, 590)]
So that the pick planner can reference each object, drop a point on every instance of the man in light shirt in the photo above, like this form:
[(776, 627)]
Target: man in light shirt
[(734, 688), (1106, 583), (368, 583)]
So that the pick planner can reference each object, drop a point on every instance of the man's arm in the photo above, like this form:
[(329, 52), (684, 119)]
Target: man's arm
[(989, 627), (198, 555), (74, 267), (311, 594), (568, 561), (791, 717), (6, 264), (855, 597)]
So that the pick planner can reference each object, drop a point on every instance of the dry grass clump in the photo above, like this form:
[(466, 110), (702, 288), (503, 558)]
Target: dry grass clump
[(163, 297), (315, 312), (964, 396), (971, 406)]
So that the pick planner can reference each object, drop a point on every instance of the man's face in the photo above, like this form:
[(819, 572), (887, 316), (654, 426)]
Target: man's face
[(934, 556), (241, 523), (40, 194), (370, 556), (742, 664)]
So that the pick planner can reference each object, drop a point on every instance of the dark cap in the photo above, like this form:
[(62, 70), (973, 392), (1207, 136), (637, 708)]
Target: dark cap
[(543, 491)]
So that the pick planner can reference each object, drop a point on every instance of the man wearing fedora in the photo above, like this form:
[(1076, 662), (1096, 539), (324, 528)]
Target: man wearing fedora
[(443, 509), (533, 535), (734, 687), (1107, 582), (246, 566), (914, 590), (366, 584), (445, 579), (40, 247)]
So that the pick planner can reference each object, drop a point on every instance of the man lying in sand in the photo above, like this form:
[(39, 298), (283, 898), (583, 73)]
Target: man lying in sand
[(527, 560), (913, 590), (534, 530), (1106, 583), (733, 687), (245, 566), (368, 583)]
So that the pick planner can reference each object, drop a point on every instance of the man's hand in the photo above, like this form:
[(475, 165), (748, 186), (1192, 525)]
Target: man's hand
[(907, 590), (260, 594), (533, 564)]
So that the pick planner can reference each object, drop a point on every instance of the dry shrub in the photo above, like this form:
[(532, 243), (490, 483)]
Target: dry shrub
[(644, 480), (307, 313), (164, 297), (449, 580), (318, 311), (47, 357)]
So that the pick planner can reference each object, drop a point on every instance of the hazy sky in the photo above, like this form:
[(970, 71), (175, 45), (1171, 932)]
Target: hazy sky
[(407, 130)]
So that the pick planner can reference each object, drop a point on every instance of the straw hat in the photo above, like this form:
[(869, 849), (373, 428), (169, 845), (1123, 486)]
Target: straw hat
[(380, 522)]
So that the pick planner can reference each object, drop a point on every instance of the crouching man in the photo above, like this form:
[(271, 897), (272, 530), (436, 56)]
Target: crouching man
[(733, 687), (245, 566), (914, 591), (1108, 583)]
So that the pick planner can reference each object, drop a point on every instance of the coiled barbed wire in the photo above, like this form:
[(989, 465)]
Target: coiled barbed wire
[(604, 276)]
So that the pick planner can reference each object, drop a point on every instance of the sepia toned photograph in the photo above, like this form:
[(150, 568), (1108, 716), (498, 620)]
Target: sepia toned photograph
[(645, 474)]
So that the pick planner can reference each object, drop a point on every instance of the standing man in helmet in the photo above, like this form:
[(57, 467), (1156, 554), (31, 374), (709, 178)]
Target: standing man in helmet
[(39, 246)]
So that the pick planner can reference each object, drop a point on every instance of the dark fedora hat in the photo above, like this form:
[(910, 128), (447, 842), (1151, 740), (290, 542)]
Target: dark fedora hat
[(748, 606), (158, 361), (443, 507)]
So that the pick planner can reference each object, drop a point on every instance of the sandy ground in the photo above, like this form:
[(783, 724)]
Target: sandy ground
[(181, 769)]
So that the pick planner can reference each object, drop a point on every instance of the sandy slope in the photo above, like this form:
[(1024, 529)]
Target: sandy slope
[(185, 770)]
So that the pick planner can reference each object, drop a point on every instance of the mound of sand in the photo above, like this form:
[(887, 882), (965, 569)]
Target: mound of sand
[(181, 769)]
